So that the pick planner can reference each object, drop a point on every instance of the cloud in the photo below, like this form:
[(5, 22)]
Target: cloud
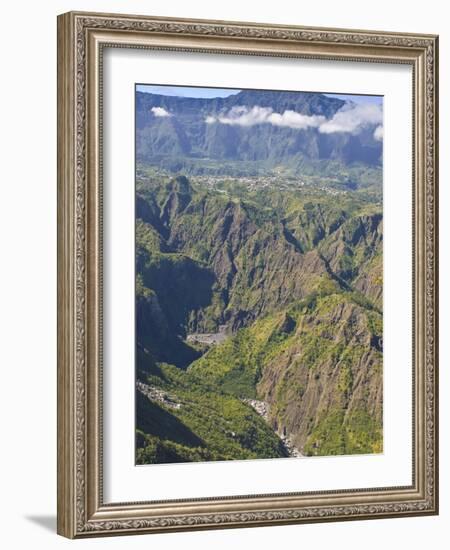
[(378, 134), (160, 112), (243, 116), (292, 119), (353, 118)]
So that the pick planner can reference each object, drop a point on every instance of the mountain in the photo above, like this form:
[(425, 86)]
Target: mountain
[(317, 366), (215, 260), (250, 132), (259, 326)]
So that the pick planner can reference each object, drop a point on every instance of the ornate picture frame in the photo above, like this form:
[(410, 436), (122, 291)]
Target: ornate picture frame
[(82, 38)]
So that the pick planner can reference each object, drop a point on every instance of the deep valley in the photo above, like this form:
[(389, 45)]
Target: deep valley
[(258, 295)]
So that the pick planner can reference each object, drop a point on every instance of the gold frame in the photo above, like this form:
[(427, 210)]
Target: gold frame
[(81, 37)]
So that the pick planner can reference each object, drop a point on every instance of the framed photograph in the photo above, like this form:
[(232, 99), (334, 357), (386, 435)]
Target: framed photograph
[(247, 283)]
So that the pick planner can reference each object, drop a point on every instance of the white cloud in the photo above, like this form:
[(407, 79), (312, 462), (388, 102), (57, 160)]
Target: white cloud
[(352, 118), (378, 133), (160, 111), (243, 116), (292, 119)]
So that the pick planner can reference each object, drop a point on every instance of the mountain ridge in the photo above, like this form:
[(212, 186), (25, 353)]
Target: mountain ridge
[(183, 133), (292, 283)]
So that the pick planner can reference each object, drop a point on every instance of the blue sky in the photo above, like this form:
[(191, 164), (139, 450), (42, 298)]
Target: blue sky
[(377, 99), (186, 91)]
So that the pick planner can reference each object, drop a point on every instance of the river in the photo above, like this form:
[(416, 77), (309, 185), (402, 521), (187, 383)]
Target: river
[(262, 408)]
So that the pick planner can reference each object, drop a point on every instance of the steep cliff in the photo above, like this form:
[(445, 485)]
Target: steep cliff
[(292, 282), (318, 367)]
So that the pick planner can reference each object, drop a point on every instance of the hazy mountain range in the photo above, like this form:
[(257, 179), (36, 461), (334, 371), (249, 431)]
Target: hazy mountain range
[(253, 131)]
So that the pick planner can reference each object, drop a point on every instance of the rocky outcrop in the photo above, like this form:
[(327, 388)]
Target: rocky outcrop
[(256, 267), (325, 389), (314, 372), (354, 255)]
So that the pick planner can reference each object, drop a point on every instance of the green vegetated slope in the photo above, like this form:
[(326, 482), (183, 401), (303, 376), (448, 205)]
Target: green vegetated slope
[(294, 279), (199, 423), (317, 364)]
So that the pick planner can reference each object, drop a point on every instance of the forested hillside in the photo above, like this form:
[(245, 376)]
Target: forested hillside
[(259, 323)]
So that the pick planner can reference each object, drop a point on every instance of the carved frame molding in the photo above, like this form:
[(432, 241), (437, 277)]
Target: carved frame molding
[(81, 38)]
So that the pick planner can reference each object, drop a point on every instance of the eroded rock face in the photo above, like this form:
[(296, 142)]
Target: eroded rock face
[(297, 293), (256, 267), (325, 390), (354, 254)]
